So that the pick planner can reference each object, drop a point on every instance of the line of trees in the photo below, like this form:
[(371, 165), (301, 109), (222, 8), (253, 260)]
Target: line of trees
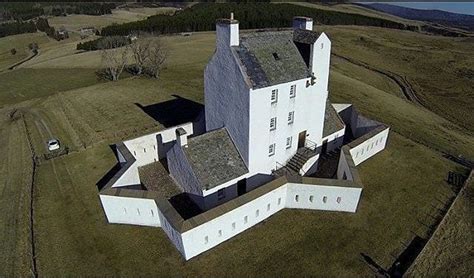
[(202, 16), (98, 44), (30, 10), (13, 28), (144, 56)]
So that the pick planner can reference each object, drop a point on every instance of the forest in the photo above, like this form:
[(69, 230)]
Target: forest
[(202, 16)]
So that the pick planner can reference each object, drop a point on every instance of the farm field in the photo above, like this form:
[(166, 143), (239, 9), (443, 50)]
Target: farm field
[(450, 251), (77, 21), (60, 96)]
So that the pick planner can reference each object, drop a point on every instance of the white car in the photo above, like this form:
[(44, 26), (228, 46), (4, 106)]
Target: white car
[(53, 144)]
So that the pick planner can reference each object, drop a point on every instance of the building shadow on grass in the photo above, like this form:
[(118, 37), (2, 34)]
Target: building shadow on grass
[(174, 112)]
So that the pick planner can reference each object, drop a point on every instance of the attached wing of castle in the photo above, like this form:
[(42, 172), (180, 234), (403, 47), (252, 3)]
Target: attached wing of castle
[(272, 141)]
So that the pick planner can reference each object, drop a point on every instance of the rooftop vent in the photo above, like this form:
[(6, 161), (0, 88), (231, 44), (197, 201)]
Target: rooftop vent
[(275, 55)]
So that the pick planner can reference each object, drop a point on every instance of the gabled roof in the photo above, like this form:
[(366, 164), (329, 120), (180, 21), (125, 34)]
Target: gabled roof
[(270, 58), (332, 121), (305, 36), (214, 158)]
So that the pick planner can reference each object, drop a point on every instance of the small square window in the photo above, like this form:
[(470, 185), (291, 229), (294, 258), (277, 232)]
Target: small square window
[(271, 149), (206, 239), (291, 117), (257, 213), (297, 198), (246, 219), (268, 207), (220, 233), (274, 96), (273, 123), (293, 91), (233, 226), (279, 201), (322, 45), (338, 200), (311, 198), (220, 194), (288, 142)]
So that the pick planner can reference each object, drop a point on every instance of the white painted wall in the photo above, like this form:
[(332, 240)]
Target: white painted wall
[(134, 211), (308, 105), (320, 61), (343, 168), (194, 241), (145, 148), (173, 235), (335, 140), (322, 197), (181, 171), (370, 147), (226, 94)]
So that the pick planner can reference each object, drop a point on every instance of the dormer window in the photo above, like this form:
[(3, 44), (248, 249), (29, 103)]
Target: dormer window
[(293, 91), (275, 55), (274, 96)]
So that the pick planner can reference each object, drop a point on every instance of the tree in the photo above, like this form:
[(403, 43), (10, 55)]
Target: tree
[(140, 50), (13, 51), (113, 60), (157, 55)]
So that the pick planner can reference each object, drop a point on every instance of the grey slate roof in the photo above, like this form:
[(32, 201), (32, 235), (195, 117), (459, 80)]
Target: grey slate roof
[(214, 158), (270, 58), (332, 121), (305, 36)]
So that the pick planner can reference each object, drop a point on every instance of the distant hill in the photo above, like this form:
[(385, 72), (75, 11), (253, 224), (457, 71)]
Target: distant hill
[(462, 21)]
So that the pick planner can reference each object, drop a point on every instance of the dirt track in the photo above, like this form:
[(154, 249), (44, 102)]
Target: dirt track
[(402, 82)]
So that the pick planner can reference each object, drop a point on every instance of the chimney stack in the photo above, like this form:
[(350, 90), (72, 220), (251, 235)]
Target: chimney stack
[(302, 22), (227, 32), (181, 137)]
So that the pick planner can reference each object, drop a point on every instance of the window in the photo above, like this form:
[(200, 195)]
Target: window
[(322, 45), (220, 194), (338, 200), (368, 147), (273, 123), (291, 117), (257, 213), (206, 239), (220, 233), (152, 213), (246, 219), (124, 210), (268, 207), (325, 199), (372, 145), (138, 211), (134, 153), (144, 150), (288, 142), (311, 198), (296, 198), (293, 91), (274, 96), (279, 201), (233, 226), (271, 149)]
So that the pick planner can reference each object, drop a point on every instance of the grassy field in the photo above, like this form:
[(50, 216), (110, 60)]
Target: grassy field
[(15, 184), (77, 21), (450, 251), (439, 68), (74, 236), (60, 97)]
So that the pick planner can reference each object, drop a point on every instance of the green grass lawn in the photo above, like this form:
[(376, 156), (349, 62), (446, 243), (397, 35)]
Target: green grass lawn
[(25, 84), (439, 68), (74, 237), (450, 251), (15, 181)]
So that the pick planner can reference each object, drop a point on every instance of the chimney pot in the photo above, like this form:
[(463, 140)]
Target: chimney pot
[(302, 22)]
